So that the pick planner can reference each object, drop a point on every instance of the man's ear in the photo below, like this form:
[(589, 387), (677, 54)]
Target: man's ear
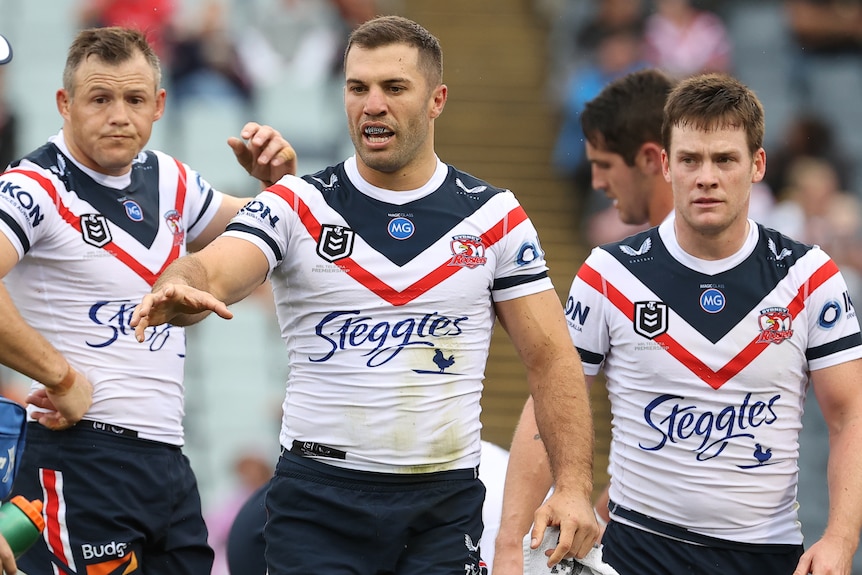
[(648, 158)]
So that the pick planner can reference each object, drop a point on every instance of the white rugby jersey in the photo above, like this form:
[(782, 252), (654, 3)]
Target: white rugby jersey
[(90, 247), (707, 367), (385, 305)]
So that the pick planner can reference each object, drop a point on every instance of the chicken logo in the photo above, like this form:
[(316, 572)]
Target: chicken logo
[(775, 325), (443, 362), (761, 455), (468, 252)]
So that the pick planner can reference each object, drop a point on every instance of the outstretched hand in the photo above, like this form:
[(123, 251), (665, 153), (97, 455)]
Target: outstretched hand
[(264, 153), (65, 406), (171, 300)]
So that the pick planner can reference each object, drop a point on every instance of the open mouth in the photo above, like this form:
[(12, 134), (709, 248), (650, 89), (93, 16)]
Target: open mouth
[(377, 134)]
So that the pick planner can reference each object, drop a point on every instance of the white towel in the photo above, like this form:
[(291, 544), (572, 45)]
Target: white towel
[(536, 563)]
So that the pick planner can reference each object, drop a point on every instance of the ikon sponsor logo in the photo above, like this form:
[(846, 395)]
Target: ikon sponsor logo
[(24, 201)]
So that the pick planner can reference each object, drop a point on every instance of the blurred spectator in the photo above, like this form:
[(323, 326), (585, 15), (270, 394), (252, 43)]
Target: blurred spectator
[(617, 54), (300, 38), (154, 17), (577, 30), (815, 209), (611, 15), (252, 472), (807, 135), (682, 39), (205, 62), (826, 26), (827, 70)]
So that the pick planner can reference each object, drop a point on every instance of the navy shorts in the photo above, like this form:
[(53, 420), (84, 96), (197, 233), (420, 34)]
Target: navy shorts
[(324, 519), (633, 551), (245, 543), (113, 504)]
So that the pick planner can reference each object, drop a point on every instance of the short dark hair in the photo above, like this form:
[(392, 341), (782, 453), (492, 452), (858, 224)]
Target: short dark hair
[(112, 45), (385, 30), (715, 101), (627, 113)]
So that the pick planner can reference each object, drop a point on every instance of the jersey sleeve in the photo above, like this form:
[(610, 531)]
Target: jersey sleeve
[(28, 206), (264, 222), (833, 328), (202, 203), (585, 310), (521, 266)]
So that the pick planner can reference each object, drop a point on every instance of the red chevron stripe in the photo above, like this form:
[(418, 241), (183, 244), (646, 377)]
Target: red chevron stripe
[(714, 379), (375, 284), (112, 248)]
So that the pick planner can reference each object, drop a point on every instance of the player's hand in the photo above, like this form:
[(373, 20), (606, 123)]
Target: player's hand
[(576, 519), (7, 559), (65, 406), (830, 555), (264, 153), (170, 301)]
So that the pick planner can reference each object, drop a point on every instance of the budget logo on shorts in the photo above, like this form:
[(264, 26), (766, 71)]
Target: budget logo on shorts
[(650, 318), (94, 229), (335, 243)]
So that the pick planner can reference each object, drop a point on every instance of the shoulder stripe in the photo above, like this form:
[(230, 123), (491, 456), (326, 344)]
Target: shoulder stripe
[(513, 281), (16, 229), (235, 227), (842, 344)]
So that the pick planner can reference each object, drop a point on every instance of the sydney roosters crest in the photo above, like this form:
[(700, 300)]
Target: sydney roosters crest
[(775, 325), (175, 223), (468, 252)]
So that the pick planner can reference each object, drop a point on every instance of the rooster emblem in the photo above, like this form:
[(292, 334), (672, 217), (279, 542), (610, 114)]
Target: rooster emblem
[(442, 361)]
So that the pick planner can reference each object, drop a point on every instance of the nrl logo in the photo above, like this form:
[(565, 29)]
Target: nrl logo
[(94, 229), (650, 318), (335, 243)]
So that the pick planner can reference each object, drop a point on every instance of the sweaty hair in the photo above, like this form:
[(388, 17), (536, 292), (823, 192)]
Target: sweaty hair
[(713, 102), (386, 30), (111, 45), (627, 113)]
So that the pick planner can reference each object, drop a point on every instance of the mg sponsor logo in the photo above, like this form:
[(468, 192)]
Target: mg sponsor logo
[(712, 301), (400, 228)]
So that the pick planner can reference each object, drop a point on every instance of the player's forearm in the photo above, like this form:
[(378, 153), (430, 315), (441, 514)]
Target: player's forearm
[(845, 483), (564, 420), (528, 479), (25, 350)]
